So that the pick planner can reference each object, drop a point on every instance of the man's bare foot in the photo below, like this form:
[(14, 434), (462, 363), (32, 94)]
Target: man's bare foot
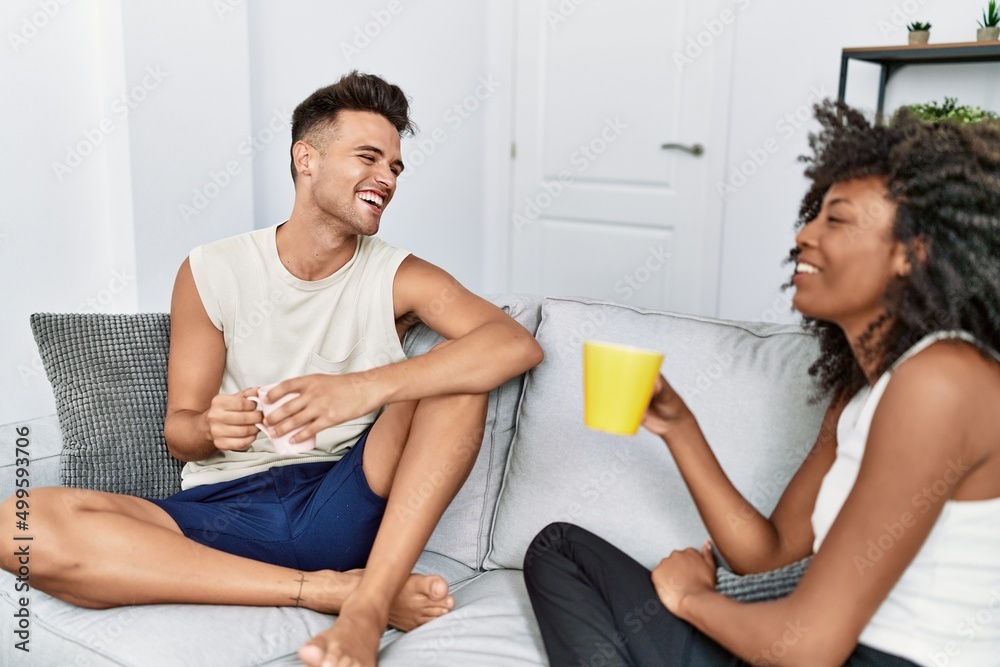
[(352, 641), (354, 638), (423, 597)]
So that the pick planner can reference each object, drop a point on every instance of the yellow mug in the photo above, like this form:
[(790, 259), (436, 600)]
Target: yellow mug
[(617, 385)]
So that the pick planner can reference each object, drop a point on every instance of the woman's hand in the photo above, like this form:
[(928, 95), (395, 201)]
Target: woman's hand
[(684, 573), (666, 409)]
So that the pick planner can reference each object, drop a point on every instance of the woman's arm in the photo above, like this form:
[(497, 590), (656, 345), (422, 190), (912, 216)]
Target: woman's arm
[(747, 540), (922, 427)]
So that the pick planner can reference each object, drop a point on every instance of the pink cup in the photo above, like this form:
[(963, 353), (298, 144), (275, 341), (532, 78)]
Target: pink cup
[(281, 444)]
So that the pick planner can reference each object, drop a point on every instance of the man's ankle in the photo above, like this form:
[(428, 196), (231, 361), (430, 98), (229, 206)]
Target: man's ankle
[(370, 598)]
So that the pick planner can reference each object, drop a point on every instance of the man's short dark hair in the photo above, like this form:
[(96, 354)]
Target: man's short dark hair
[(315, 119)]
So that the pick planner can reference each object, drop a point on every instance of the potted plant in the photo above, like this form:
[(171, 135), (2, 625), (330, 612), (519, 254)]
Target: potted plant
[(989, 27), (920, 33), (951, 110)]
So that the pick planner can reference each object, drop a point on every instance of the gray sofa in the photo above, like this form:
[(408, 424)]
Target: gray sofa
[(746, 382)]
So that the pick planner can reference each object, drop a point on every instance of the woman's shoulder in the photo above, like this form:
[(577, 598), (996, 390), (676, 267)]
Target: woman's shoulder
[(948, 368), (952, 379), (948, 355), (947, 394)]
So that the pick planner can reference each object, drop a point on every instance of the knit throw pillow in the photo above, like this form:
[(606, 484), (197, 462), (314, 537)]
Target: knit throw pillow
[(109, 378), (763, 586)]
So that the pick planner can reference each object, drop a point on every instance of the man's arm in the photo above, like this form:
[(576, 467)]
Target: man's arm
[(485, 348), (488, 346), (199, 420)]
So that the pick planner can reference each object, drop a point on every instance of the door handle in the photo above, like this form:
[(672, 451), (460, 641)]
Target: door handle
[(695, 150)]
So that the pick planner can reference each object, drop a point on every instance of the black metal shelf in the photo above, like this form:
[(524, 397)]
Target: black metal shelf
[(894, 58)]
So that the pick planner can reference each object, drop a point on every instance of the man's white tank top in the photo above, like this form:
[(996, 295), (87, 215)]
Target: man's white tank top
[(945, 609), (277, 326)]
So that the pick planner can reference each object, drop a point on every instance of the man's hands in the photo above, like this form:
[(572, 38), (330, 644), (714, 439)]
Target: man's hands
[(323, 401), (684, 573), (666, 409), (232, 420)]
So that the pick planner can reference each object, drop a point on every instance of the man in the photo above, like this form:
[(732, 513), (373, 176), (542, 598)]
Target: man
[(253, 525)]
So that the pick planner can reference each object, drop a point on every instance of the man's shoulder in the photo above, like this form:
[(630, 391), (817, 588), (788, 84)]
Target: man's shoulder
[(232, 251), (378, 253), (374, 244), (223, 262), (237, 243)]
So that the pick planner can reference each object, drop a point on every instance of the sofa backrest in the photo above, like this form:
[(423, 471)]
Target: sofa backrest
[(747, 384)]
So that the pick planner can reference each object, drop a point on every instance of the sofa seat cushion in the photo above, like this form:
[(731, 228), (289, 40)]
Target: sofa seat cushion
[(168, 635), (747, 384), (492, 625)]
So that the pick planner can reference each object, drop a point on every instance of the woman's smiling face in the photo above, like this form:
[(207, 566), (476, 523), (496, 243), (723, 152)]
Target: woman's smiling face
[(849, 256)]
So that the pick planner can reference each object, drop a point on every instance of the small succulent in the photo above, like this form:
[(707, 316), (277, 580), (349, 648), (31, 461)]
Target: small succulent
[(933, 112), (917, 25), (991, 17)]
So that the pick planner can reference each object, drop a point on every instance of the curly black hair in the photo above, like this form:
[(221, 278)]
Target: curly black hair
[(944, 178)]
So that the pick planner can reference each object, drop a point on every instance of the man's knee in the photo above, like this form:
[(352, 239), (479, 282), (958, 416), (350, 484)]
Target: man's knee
[(467, 401), (41, 511), (471, 407), (8, 512), (465, 416)]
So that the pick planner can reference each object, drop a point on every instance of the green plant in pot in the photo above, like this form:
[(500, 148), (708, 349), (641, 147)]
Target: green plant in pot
[(951, 110), (920, 33), (989, 27)]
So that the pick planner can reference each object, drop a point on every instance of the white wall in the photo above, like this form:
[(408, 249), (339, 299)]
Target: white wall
[(188, 183), (115, 112), (784, 52), (57, 248)]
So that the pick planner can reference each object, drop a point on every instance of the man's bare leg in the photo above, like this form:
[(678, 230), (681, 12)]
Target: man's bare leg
[(101, 550), (440, 449)]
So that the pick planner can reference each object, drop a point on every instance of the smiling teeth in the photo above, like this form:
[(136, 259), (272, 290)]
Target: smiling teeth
[(371, 197), (802, 267)]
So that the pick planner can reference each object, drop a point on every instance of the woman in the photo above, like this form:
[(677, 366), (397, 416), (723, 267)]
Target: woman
[(897, 273)]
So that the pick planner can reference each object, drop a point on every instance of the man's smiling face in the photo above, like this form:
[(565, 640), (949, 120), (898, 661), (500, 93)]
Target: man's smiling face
[(352, 178)]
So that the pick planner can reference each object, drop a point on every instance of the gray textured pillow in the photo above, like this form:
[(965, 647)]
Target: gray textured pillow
[(109, 378), (762, 586)]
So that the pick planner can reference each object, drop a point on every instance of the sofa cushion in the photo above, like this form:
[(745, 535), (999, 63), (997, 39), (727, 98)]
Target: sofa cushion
[(492, 625), (108, 375), (747, 383), (464, 529), (41, 440)]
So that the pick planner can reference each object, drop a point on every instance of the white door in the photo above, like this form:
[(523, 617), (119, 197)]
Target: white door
[(599, 207)]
